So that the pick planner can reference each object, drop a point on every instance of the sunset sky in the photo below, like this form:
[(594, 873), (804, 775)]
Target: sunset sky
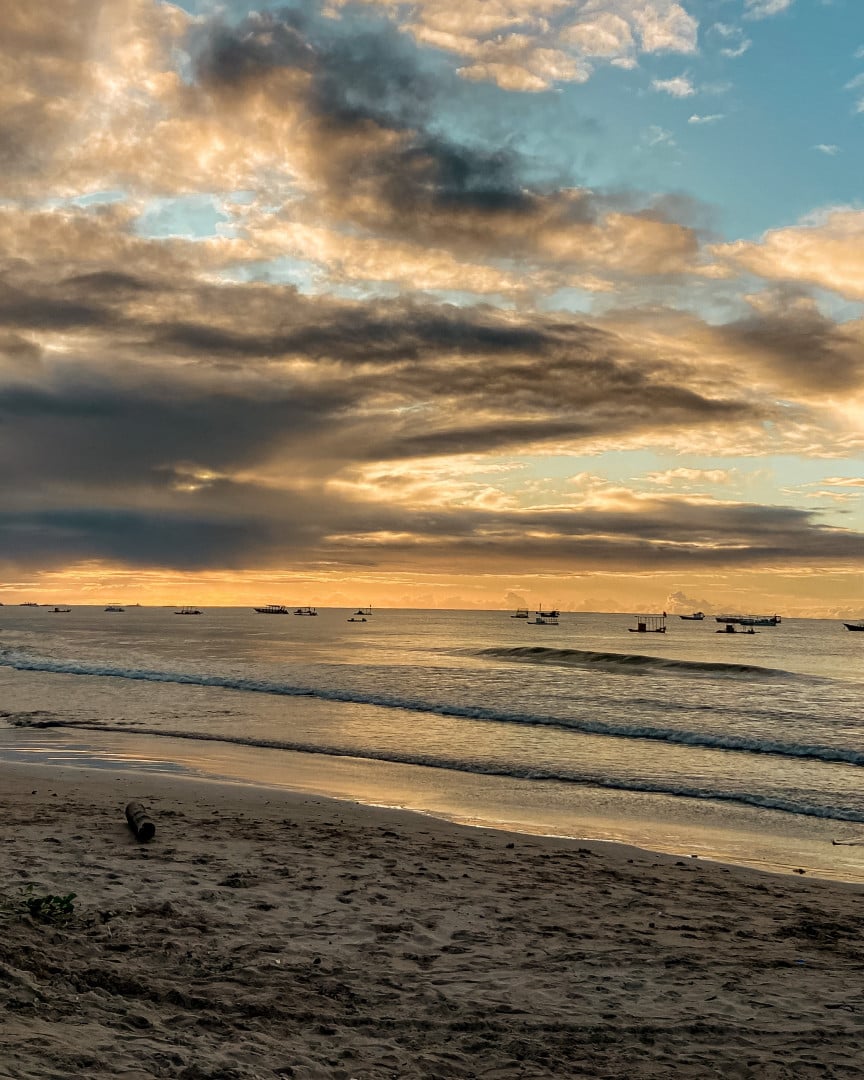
[(452, 303)]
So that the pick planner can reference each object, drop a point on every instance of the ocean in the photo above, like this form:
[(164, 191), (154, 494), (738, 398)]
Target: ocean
[(744, 748)]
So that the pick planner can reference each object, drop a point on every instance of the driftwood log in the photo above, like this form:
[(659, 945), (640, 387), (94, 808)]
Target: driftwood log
[(139, 821)]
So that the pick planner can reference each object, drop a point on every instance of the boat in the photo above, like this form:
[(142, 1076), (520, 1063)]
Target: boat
[(61, 610), (29, 603), (355, 619), (546, 618), (649, 624), (750, 620), (272, 609), (115, 607), (729, 628), (697, 616), (854, 625), (520, 613), (305, 611), (189, 611), (363, 610)]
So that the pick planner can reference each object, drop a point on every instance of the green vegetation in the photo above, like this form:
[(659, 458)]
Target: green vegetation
[(48, 907)]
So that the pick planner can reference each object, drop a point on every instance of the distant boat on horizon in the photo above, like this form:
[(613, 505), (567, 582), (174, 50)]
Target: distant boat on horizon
[(750, 620), (546, 618), (697, 616), (649, 624), (520, 613), (115, 607), (305, 611), (363, 611), (189, 611), (61, 610), (272, 609)]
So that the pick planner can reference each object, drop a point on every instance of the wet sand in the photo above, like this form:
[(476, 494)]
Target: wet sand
[(268, 934)]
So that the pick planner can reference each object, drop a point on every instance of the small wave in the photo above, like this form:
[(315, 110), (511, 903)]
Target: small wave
[(479, 767), (538, 654), (654, 733)]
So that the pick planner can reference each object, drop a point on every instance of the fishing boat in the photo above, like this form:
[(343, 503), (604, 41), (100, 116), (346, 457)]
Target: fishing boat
[(305, 611), (696, 616), (29, 603), (854, 625), (729, 628), (61, 610), (355, 619), (546, 618), (115, 607), (188, 611), (759, 620), (272, 609), (520, 613), (363, 611), (649, 624)]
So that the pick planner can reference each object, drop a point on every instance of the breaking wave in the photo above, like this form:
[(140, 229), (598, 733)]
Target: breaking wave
[(539, 654), (709, 740)]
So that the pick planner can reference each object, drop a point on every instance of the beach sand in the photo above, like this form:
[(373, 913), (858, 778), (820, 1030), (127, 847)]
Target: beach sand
[(268, 934)]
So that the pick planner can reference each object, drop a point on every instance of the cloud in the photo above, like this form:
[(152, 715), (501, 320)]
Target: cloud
[(713, 118), (827, 148), (369, 153), (734, 43), (169, 402), (524, 45), (825, 250), (680, 86), (689, 477), (658, 136), (762, 9)]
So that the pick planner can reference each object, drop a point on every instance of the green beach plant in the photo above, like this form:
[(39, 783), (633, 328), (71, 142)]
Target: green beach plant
[(51, 908)]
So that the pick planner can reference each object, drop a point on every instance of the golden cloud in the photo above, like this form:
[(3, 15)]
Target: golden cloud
[(827, 252)]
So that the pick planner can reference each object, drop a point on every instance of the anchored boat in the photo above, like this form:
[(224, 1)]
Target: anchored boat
[(546, 618), (649, 624)]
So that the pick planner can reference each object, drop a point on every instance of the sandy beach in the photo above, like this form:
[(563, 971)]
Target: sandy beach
[(268, 934)]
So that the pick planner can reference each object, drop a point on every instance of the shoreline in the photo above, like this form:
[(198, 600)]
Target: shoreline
[(244, 795), (263, 932), (732, 836)]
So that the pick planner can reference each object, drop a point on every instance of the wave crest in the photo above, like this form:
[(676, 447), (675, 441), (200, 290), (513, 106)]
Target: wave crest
[(539, 654)]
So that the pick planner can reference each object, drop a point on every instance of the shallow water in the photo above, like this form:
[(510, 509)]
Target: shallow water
[(745, 747)]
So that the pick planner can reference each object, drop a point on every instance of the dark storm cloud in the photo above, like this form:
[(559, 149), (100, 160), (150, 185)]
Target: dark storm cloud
[(811, 351), (380, 135), (91, 430), (173, 405), (21, 309), (308, 529), (644, 408), (372, 333), (113, 284), (363, 76), (661, 535), (360, 69), (157, 539)]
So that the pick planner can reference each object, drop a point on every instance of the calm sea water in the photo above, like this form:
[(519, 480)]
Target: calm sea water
[(744, 747)]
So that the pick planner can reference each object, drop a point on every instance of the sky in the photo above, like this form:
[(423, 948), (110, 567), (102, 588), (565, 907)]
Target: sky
[(451, 303)]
